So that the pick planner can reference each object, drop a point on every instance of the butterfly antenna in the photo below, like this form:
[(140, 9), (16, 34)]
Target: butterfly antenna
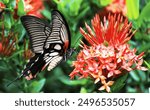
[(17, 78)]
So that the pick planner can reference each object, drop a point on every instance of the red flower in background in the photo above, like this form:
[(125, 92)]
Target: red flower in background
[(2, 6), (34, 7), (0, 47), (31, 7), (27, 54), (7, 44), (117, 6), (109, 54)]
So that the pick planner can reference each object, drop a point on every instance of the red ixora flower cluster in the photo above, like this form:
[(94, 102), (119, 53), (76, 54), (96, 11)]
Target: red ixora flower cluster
[(7, 44), (109, 54)]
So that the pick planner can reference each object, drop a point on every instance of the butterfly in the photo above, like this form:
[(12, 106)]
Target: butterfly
[(49, 42)]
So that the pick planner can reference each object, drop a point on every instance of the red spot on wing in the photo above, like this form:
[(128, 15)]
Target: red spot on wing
[(66, 45)]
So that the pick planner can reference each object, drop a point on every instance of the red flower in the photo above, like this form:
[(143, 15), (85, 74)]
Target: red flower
[(7, 44), (31, 7), (2, 6), (109, 54), (117, 6), (27, 54), (0, 47), (34, 7)]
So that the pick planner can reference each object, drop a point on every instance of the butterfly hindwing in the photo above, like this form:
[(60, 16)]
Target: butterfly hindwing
[(59, 37), (34, 66)]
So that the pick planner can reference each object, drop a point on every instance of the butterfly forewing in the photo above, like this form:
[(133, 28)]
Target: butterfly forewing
[(60, 31), (37, 31)]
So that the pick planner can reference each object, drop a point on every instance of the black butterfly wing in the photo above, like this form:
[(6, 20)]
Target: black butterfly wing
[(37, 31), (60, 30), (34, 66), (59, 38)]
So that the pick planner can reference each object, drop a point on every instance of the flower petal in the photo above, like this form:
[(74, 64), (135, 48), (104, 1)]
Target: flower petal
[(102, 88)]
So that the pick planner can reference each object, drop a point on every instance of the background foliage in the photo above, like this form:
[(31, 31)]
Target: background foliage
[(76, 12)]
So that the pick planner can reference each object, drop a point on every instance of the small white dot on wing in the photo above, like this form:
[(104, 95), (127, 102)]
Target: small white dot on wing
[(54, 54), (57, 47)]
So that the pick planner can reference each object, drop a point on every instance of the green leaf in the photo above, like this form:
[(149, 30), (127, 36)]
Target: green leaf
[(142, 75), (4, 66), (76, 40), (134, 23), (82, 13), (144, 47), (144, 16), (105, 2), (7, 21), (70, 7), (96, 2), (47, 14), (6, 1), (147, 64), (21, 10), (132, 9), (19, 29), (69, 82), (135, 76), (64, 79), (15, 54), (119, 83), (12, 5), (74, 7), (83, 90), (131, 89), (36, 86)]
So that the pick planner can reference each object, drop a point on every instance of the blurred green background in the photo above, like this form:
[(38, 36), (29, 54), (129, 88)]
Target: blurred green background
[(76, 12)]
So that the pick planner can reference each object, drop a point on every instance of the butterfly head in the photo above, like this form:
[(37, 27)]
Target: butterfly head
[(69, 52)]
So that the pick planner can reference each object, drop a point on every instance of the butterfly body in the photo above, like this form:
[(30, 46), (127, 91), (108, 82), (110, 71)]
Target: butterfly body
[(50, 43)]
